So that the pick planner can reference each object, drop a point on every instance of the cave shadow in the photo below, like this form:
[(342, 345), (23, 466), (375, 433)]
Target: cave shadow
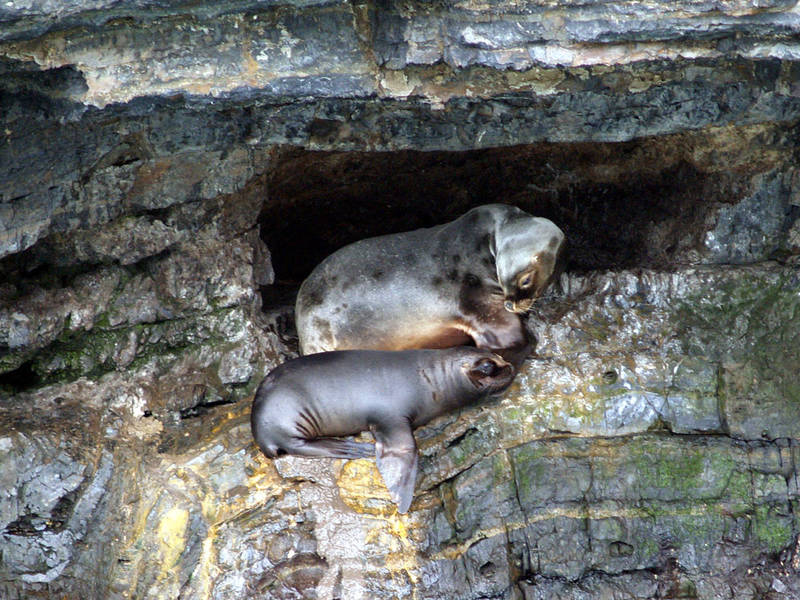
[(614, 215), (639, 204)]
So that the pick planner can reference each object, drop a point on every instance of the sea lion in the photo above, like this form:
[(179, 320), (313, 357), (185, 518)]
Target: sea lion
[(467, 281), (303, 406)]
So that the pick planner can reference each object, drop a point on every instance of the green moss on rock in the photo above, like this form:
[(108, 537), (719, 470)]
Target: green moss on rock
[(750, 323), (773, 527), (93, 353)]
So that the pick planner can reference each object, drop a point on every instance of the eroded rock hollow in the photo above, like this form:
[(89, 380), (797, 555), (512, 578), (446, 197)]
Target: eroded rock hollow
[(170, 172)]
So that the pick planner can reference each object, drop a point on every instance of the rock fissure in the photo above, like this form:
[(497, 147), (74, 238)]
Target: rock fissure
[(527, 557)]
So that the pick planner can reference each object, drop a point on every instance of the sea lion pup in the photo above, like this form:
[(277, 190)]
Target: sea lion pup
[(467, 281), (305, 404)]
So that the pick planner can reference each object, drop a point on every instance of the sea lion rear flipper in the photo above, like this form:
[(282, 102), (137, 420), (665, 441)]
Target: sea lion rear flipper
[(396, 454), (333, 448)]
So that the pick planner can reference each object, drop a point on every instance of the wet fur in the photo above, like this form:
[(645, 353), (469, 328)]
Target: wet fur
[(305, 406)]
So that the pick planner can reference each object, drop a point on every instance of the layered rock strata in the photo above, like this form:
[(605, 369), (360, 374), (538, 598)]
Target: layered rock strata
[(169, 171)]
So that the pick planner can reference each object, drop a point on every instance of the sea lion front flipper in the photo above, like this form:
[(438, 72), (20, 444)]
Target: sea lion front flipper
[(507, 338), (516, 355), (396, 455)]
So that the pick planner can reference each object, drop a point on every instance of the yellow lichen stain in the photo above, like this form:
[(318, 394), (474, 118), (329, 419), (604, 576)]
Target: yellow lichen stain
[(261, 484), (201, 88), (171, 535), (209, 508), (264, 482), (232, 419), (360, 484), (252, 72), (396, 532), (208, 569), (455, 551)]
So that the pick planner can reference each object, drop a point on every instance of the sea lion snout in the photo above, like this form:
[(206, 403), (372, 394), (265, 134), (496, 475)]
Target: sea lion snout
[(519, 306), (503, 371)]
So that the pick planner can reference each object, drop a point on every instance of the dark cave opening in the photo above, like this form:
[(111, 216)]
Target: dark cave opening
[(622, 205), (19, 379)]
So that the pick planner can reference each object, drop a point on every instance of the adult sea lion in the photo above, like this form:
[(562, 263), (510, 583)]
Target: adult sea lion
[(449, 285), (303, 406)]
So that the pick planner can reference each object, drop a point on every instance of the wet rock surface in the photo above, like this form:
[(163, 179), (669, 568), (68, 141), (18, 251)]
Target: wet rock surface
[(170, 171), (619, 460)]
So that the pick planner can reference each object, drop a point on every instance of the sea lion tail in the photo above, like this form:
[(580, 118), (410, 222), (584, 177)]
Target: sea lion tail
[(272, 451)]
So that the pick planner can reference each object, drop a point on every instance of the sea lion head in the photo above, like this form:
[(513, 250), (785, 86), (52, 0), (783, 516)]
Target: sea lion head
[(487, 372), (527, 252)]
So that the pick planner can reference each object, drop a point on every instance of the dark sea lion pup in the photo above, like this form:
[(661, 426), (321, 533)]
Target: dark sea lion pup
[(303, 406), (461, 282)]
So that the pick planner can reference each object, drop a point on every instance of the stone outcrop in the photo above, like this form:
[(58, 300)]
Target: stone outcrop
[(170, 171)]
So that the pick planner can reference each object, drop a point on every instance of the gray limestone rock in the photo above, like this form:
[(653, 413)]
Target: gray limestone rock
[(151, 151), (753, 229)]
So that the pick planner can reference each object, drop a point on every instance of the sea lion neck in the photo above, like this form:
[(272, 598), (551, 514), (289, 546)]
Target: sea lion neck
[(447, 385)]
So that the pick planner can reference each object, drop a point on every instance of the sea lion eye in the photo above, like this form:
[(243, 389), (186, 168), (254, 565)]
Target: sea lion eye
[(526, 281)]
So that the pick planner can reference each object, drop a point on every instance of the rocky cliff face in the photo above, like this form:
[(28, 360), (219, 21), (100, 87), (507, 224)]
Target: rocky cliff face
[(170, 171)]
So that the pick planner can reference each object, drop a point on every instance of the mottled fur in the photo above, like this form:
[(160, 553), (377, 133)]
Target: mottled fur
[(431, 288)]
